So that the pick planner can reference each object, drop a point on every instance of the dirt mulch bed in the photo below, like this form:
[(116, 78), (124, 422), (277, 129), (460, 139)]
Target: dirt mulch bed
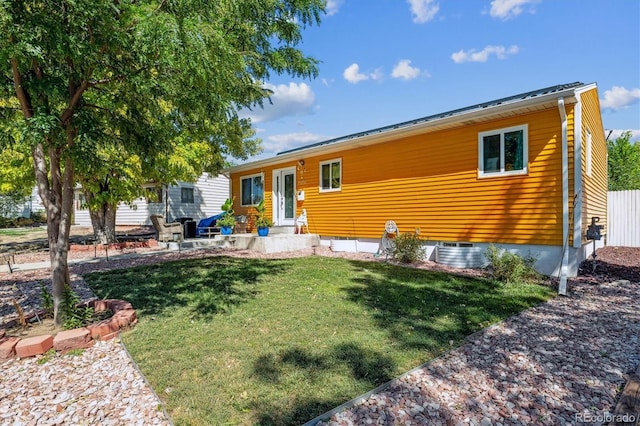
[(613, 263)]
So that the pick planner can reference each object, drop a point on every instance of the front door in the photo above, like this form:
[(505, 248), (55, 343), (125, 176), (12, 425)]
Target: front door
[(284, 202)]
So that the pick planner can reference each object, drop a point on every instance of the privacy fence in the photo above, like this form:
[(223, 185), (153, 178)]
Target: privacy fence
[(623, 218)]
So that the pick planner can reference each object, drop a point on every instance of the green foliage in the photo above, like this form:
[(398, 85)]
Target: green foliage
[(106, 93), (75, 352), (228, 219), (73, 315), (16, 173), (17, 222), (47, 356), (261, 218), (624, 163), (509, 267), (46, 300), (408, 248)]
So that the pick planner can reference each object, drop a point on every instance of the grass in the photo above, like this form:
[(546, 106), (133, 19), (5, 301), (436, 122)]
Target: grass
[(18, 232), (272, 342)]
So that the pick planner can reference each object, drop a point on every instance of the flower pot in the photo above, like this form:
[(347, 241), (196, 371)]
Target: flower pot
[(263, 231), (226, 230)]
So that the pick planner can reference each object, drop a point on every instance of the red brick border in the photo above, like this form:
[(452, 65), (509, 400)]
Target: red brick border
[(124, 317)]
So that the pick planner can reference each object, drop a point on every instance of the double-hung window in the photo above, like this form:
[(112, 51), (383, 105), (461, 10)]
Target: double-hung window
[(186, 195), (331, 175), (251, 190), (503, 152)]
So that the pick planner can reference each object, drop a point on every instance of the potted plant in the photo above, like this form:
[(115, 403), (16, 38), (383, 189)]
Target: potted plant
[(262, 222), (228, 221)]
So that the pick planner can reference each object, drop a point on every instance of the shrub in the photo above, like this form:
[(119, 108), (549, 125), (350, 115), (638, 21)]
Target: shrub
[(47, 300), (509, 267), (408, 248), (39, 216), (73, 315)]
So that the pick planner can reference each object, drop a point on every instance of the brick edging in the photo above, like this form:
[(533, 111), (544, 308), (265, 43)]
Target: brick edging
[(124, 317)]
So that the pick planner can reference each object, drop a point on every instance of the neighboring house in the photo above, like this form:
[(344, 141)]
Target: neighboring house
[(515, 172), (31, 204), (195, 200)]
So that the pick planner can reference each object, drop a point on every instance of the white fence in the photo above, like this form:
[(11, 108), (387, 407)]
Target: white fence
[(623, 218)]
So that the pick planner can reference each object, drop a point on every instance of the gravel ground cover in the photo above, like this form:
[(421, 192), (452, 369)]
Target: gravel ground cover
[(565, 360)]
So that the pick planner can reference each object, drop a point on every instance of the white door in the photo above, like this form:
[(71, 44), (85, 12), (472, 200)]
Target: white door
[(284, 191)]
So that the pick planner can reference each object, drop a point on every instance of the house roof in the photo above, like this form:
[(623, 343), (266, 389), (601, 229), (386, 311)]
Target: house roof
[(503, 107)]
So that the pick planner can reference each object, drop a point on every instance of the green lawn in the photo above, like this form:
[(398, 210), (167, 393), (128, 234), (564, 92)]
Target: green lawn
[(244, 341), (17, 232)]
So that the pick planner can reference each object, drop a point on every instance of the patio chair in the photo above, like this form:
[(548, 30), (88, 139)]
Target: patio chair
[(167, 231)]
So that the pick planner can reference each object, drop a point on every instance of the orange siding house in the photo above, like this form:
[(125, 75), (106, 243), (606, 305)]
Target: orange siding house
[(525, 172)]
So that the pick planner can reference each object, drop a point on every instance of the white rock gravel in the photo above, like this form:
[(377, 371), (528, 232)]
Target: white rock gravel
[(559, 363), (101, 386)]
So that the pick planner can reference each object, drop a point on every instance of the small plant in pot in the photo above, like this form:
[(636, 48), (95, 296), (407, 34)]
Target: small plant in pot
[(262, 222), (228, 221)]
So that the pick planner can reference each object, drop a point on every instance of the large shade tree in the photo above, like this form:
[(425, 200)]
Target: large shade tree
[(82, 77)]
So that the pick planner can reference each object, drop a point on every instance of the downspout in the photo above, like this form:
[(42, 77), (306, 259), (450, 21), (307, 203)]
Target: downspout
[(577, 174), (562, 288)]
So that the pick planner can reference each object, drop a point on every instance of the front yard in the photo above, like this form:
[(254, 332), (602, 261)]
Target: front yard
[(246, 341)]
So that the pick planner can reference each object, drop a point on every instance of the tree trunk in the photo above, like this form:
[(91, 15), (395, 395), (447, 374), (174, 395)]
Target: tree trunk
[(103, 220), (56, 191)]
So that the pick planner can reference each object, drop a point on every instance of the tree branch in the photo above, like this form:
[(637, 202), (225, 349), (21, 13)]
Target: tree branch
[(73, 103), (22, 95)]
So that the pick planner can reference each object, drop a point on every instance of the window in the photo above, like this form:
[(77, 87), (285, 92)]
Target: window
[(81, 201), (588, 149), (330, 175), (251, 190), (503, 152), (186, 195), (154, 195)]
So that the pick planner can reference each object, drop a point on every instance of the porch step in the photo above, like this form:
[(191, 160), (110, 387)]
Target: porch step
[(277, 230), (276, 243)]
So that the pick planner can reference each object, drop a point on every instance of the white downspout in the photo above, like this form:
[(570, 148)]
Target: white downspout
[(577, 173), (562, 288)]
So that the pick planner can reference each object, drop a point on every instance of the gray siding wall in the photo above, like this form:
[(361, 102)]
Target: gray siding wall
[(209, 193)]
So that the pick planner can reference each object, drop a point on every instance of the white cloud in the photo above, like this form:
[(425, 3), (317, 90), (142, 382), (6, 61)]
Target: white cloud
[(472, 55), (423, 10), (506, 9), (377, 74), (283, 142), (286, 99), (333, 6), (353, 75), (404, 70), (619, 98)]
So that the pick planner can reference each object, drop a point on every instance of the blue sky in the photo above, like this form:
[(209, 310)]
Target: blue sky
[(389, 61)]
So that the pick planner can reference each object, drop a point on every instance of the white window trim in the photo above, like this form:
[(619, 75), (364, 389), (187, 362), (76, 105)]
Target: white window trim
[(251, 177), (322, 163), (588, 148), (501, 132)]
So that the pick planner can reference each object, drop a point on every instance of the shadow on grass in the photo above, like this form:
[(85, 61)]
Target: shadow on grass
[(428, 310), (206, 286), (369, 367)]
